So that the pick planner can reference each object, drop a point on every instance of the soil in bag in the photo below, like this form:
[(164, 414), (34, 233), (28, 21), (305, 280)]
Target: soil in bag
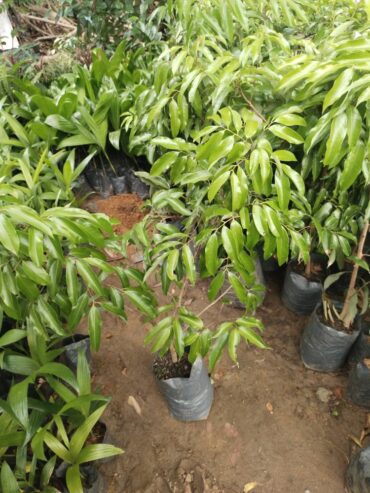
[(187, 388)]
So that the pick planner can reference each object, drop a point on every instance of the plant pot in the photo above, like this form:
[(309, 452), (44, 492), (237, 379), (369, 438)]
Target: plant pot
[(105, 439), (361, 348), (299, 294), (270, 264), (358, 390), (358, 472), (72, 347), (325, 348), (189, 399)]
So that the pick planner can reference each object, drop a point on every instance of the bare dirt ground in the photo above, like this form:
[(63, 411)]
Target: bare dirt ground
[(273, 422)]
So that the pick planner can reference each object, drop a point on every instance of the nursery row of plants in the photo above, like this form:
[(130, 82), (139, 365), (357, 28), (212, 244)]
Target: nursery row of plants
[(253, 119)]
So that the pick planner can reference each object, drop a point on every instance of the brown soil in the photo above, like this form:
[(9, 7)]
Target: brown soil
[(164, 368), (317, 272), (268, 424), (98, 433), (127, 208), (337, 324)]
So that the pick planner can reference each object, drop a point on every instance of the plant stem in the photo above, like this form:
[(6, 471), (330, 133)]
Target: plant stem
[(352, 285), (215, 301), (251, 105), (307, 271)]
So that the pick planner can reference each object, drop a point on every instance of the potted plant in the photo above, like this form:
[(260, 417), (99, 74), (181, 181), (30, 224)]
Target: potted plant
[(334, 325), (180, 338)]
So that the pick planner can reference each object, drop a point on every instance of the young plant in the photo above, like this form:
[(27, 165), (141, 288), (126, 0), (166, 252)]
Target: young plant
[(357, 296)]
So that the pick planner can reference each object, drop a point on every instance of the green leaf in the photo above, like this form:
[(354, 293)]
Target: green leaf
[(17, 128), (291, 120), (354, 124), (236, 192), (72, 281), (283, 155), (338, 131), (175, 119), (91, 279), (12, 336), (282, 246), (189, 264), (233, 341), (36, 246), (25, 215), (35, 273), (9, 483), (80, 435), (172, 261), (330, 280), (230, 243), (352, 166), (238, 287), (162, 339), (287, 134), (178, 338), (78, 311), (217, 184), (163, 163), (215, 285), (73, 479), (95, 325), (339, 88), (141, 302), (114, 138), (77, 140), (258, 218), (295, 177), (98, 451), (154, 331), (217, 349), (18, 402), (8, 235), (211, 257), (61, 123), (250, 336), (282, 185), (50, 317), (273, 221)]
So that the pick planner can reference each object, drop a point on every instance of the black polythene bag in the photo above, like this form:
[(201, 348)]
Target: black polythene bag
[(189, 399), (299, 294), (358, 472), (324, 348), (361, 348), (93, 480), (358, 390), (72, 347)]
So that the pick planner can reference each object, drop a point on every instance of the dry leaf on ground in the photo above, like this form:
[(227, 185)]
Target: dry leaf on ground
[(131, 401), (249, 487)]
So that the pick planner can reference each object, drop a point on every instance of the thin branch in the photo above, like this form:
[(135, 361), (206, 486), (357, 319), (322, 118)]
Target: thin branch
[(251, 105), (215, 301), (56, 23), (352, 284)]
